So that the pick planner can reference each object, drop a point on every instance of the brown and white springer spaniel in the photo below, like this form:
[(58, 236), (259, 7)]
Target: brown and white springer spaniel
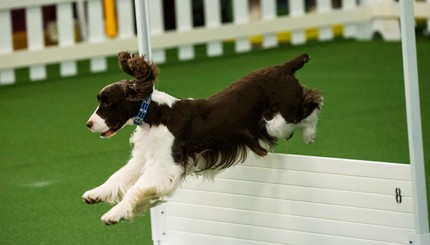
[(180, 137)]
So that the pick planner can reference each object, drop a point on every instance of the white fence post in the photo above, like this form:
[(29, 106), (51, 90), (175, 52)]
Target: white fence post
[(125, 19), (66, 35), (241, 16), (389, 28), (268, 8), (7, 76), (35, 39), (96, 32), (325, 33), (297, 8), (364, 28), (350, 30), (212, 13), (157, 27), (184, 23), (142, 7), (82, 20)]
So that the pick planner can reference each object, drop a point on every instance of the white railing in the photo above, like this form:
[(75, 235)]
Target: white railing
[(359, 21)]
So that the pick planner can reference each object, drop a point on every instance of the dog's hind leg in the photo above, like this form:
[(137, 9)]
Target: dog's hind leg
[(117, 185), (308, 127), (158, 180), (312, 107)]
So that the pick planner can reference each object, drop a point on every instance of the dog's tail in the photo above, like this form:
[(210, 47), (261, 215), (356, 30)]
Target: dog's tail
[(293, 65)]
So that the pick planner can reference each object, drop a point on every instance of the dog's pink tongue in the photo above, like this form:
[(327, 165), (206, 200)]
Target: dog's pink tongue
[(107, 134)]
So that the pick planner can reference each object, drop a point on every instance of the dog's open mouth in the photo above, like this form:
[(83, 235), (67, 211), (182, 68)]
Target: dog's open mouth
[(108, 134), (112, 131)]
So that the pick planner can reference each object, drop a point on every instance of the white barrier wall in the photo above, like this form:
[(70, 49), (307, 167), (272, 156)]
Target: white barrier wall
[(291, 199), (358, 21)]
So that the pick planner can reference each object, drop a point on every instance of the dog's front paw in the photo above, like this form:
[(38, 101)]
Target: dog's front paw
[(116, 214), (92, 196), (309, 134)]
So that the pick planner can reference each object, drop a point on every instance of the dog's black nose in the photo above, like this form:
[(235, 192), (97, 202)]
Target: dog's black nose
[(90, 124)]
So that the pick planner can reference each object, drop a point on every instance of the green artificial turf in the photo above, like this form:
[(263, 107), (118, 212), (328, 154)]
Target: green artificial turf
[(48, 158)]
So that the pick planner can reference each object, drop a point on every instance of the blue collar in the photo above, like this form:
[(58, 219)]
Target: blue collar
[(138, 120)]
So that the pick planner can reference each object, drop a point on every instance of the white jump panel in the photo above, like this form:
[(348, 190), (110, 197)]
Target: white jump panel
[(290, 199)]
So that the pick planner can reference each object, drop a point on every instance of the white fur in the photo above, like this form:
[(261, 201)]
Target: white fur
[(149, 175), (163, 98), (279, 128), (99, 125)]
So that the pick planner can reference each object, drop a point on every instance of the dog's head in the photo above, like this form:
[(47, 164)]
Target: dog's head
[(119, 102)]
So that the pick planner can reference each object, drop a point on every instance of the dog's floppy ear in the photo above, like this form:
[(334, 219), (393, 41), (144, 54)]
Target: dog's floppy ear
[(144, 73), (137, 67), (142, 70), (293, 65), (123, 56)]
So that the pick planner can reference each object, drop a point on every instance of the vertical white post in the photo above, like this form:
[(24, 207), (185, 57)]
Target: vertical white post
[(428, 20), (269, 13), (212, 12), (297, 8), (35, 39), (7, 76), (349, 29), (82, 20), (325, 33), (241, 16), (125, 19), (143, 28), (157, 27), (96, 32), (184, 22), (416, 152), (158, 213), (364, 28), (66, 35)]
